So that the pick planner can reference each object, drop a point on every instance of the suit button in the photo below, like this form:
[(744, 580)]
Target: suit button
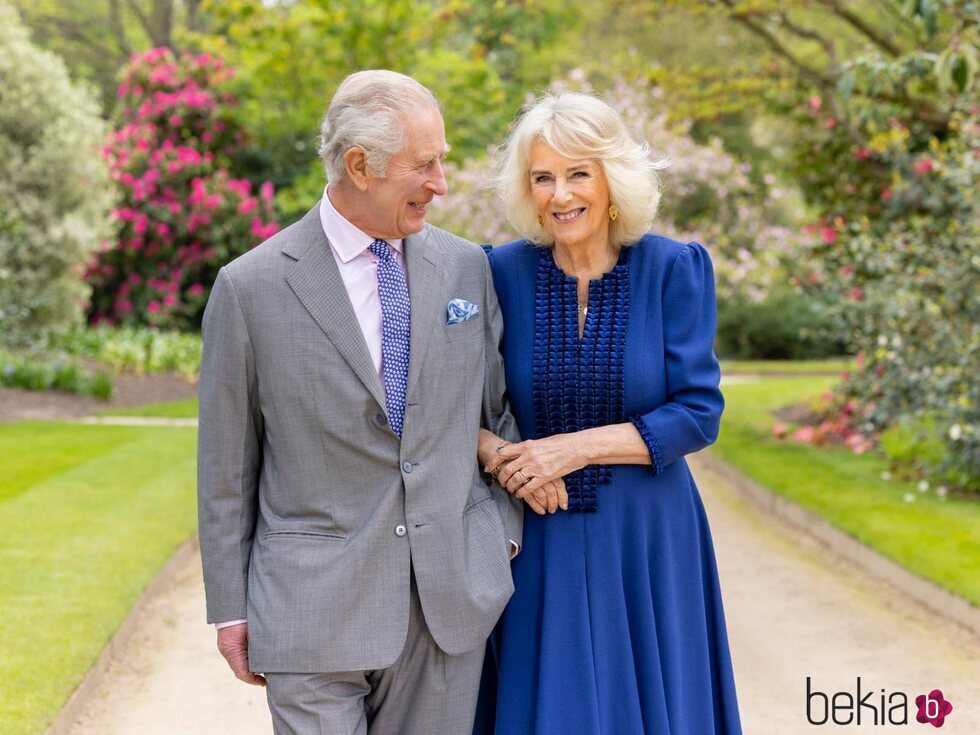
[(380, 419), (400, 530), (407, 466)]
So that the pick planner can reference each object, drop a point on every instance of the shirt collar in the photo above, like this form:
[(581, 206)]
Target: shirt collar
[(347, 240)]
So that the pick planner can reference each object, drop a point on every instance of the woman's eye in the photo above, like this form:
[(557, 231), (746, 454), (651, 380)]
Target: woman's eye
[(580, 175), (541, 179)]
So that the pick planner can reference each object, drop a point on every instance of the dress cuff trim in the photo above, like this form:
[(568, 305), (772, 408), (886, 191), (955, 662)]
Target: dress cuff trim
[(653, 446)]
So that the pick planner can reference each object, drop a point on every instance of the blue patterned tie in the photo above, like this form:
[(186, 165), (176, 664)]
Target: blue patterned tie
[(395, 332)]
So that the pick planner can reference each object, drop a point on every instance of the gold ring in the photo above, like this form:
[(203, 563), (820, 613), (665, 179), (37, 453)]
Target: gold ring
[(523, 477)]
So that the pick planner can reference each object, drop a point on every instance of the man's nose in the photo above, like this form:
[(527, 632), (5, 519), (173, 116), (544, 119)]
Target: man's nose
[(438, 184)]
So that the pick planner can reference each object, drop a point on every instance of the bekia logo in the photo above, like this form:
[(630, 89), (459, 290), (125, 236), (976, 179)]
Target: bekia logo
[(873, 707), (933, 708)]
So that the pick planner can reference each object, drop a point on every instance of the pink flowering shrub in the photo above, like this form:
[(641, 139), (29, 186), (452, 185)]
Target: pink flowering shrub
[(828, 422), (182, 213)]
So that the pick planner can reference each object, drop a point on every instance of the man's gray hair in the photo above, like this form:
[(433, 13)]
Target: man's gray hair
[(368, 111)]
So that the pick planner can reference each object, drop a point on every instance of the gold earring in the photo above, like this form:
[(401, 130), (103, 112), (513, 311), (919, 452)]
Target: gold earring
[(613, 212), (540, 221)]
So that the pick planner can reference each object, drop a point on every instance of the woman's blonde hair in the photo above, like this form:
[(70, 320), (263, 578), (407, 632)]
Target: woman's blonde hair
[(580, 126)]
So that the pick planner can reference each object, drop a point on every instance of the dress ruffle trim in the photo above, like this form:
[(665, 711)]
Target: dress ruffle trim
[(578, 383), (653, 446)]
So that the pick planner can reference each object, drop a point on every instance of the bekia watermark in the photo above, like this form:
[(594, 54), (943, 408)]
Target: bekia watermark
[(873, 706)]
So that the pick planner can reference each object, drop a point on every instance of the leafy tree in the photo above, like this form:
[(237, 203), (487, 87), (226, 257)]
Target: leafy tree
[(478, 58), (97, 37), (183, 213), (884, 148), (54, 191)]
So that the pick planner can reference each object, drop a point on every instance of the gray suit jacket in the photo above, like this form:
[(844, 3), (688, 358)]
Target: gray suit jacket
[(302, 486)]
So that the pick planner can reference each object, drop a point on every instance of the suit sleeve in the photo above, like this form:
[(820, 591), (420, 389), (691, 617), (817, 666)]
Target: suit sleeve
[(229, 453), (690, 418), (496, 410)]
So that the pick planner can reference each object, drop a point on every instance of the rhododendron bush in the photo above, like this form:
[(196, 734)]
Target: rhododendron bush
[(183, 214)]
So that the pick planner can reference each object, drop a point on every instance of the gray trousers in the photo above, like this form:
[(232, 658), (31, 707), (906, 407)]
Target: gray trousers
[(424, 692)]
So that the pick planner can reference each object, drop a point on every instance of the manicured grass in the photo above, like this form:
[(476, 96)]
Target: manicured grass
[(88, 514), (172, 410), (832, 366), (936, 539)]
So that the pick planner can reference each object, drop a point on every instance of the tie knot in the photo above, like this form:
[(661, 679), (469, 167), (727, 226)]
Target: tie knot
[(380, 249)]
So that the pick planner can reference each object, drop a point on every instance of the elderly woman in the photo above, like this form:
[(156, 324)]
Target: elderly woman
[(616, 625)]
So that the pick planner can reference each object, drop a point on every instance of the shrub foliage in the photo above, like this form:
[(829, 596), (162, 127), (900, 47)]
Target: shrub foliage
[(55, 192), (891, 162)]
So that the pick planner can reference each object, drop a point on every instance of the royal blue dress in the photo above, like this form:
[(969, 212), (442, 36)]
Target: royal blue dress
[(616, 625)]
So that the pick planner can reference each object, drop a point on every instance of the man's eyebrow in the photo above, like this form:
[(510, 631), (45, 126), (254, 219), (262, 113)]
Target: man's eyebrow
[(440, 156)]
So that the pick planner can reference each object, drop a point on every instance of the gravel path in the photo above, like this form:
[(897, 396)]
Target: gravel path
[(793, 611), (169, 679)]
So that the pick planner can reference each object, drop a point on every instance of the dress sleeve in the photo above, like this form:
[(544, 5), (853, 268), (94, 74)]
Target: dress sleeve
[(689, 420)]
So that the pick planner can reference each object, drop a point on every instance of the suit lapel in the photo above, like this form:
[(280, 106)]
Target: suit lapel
[(425, 294), (313, 276)]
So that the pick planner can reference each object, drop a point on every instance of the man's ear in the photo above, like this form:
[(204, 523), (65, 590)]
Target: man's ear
[(356, 167)]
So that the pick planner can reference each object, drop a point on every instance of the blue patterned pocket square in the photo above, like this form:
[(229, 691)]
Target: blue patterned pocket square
[(460, 310)]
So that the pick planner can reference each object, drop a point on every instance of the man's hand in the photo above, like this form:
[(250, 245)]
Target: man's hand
[(233, 645)]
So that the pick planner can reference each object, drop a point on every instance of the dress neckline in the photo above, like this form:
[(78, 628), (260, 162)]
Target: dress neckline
[(621, 261)]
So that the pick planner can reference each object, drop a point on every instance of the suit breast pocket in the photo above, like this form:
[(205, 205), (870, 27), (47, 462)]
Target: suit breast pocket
[(464, 330)]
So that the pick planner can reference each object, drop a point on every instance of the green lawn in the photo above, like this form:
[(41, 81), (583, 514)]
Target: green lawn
[(88, 514), (832, 366), (173, 410), (936, 539)]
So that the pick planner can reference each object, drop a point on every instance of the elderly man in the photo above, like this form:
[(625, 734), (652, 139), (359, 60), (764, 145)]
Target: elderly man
[(352, 553)]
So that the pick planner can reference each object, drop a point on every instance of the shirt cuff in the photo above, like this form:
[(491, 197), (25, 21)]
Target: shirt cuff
[(515, 548), (228, 624)]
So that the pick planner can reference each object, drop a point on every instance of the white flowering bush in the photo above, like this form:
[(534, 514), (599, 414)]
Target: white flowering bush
[(55, 192), (708, 196)]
